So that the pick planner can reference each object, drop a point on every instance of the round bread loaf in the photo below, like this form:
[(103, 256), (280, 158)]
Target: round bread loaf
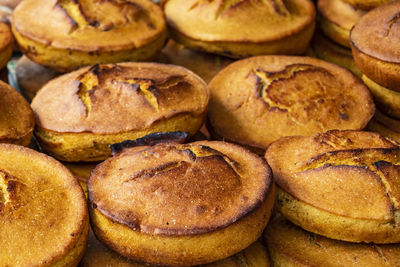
[(16, 117), (180, 205), (43, 215), (256, 101), (67, 34), (386, 100), (337, 18), (242, 28), (375, 45), (341, 184), (203, 64), (291, 246), (97, 254), (385, 125), (327, 50), (81, 113), (31, 76)]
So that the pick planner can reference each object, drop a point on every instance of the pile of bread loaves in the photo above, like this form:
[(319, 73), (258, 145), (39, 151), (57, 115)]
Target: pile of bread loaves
[(200, 132)]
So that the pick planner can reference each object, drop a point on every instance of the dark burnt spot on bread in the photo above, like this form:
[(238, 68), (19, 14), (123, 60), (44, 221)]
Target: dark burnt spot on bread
[(149, 173), (149, 140)]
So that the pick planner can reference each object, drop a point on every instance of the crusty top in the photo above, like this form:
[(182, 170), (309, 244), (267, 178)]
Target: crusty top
[(239, 20), (180, 189), (119, 97), (90, 25), (377, 34), (16, 116), (306, 249), (42, 208), (348, 173), (340, 13), (256, 101)]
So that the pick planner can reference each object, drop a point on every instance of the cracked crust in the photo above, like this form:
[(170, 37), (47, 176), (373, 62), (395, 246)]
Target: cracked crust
[(16, 117), (360, 173), (231, 27), (88, 31), (181, 193), (285, 240), (248, 105), (376, 59), (146, 98), (59, 228)]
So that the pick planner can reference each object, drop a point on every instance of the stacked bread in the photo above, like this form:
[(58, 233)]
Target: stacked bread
[(341, 185), (157, 192), (379, 64)]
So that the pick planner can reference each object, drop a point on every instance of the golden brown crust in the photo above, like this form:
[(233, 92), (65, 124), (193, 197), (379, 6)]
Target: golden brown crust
[(31, 76), (183, 250), (340, 13), (91, 26), (98, 255), (314, 168), (217, 24), (71, 34), (289, 243), (29, 179), (376, 59), (248, 104), (195, 206), (338, 17), (16, 117), (82, 98)]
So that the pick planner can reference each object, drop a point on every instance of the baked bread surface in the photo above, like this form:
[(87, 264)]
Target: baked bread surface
[(340, 184), (182, 204), (16, 117), (43, 213), (256, 101)]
